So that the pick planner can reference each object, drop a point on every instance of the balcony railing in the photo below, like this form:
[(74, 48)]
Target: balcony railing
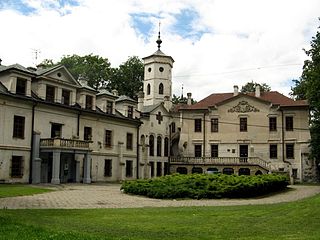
[(221, 161), (63, 143)]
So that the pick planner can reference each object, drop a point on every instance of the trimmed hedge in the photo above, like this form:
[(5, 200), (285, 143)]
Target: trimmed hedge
[(200, 186)]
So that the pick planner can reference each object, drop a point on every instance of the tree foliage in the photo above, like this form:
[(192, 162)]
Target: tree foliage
[(128, 77), (307, 87), (251, 87), (178, 99)]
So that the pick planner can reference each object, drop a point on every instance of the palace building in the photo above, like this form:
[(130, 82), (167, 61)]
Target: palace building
[(57, 129)]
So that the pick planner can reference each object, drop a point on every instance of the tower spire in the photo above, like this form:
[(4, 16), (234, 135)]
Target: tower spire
[(159, 41)]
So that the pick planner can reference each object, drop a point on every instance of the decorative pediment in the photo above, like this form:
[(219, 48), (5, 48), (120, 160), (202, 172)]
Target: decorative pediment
[(243, 107)]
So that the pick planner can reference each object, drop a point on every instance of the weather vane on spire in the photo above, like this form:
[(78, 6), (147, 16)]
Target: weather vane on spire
[(159, 41)]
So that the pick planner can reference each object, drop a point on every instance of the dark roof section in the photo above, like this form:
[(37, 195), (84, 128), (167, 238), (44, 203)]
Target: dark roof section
[(273, 97)]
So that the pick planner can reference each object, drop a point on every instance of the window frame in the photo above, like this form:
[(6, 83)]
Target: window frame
[(109, 109), (289, 150), (50, 93), (166, 147), (272, 124), (273, 151), (161, 89), (151, 145), (214, 125), (16, 170), (21, 86), (129, 142), (159, 146), (87, 133), (65, 95), (89, 102), (19, 124), (289, 123), (107, 168), (129, 168), (243, 124), (130, 111), (214, 152), (197, 150), (198, 125), (108, 138)]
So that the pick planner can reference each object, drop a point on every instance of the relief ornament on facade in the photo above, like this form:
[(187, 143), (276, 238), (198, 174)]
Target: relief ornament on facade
[(243, 107)]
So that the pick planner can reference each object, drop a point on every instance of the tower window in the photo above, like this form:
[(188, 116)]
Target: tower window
[(160, 88), (161, 69), (148, 89), (149, 69)]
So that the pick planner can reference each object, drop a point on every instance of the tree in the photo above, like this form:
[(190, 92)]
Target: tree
[(251, 87), (179, 99), (128, 77), (307, 87), (92, 67)]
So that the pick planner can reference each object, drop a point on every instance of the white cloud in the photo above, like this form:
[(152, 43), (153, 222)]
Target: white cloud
[(243, 40)]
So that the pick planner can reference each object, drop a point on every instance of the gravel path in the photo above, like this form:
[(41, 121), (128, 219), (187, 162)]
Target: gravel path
[(80, 196)]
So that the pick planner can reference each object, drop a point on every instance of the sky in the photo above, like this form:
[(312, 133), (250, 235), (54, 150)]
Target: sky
[(216, 44)]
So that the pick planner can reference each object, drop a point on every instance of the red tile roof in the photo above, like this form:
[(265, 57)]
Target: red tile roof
[(273, 97)]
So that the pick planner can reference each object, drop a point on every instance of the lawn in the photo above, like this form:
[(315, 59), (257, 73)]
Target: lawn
[(296, 220), (13, 190)]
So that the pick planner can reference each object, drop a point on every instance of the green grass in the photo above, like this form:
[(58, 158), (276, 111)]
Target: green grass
[(13, 190), (296, 220)]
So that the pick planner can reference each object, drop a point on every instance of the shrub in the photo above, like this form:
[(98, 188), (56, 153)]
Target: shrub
[(199, 186)]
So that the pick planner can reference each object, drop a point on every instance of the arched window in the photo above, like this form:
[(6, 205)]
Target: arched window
[(166, 147), (197, 170), (244, 171), (151, 145), (212, 170), (182, 170), (160, 88), (159, 146), (148, 89), (228, 171)]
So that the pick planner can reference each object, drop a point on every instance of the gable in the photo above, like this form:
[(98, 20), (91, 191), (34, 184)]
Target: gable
[(60, 74)]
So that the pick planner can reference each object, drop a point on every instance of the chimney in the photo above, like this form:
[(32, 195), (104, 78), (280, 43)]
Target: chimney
[(257, 93), (167, 103), (189, 102), (83, 81), (140, 100), (235, 90), (114, 92)]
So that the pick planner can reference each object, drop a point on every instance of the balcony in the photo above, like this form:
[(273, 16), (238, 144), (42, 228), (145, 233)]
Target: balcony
[(61, 143), (235, 161)]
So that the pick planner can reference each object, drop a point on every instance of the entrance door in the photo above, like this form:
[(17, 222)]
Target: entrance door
[(243, 153)]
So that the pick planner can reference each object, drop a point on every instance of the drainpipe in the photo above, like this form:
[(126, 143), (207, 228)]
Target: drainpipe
[(31, 151), (283, 151), (138, 150), (204, 135)]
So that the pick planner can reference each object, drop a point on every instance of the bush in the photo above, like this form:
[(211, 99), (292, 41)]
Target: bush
[(199, 186)]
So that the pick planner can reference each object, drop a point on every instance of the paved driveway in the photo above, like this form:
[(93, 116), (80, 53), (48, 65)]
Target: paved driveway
[(77, 196)]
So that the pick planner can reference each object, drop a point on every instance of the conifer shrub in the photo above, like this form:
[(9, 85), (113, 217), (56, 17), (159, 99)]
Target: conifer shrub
[(202, 186)]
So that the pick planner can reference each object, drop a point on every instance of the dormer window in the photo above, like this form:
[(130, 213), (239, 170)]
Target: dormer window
[(21, 86), (50, 93), (109, 107), (130, 112), (89, 100), (65, 97)]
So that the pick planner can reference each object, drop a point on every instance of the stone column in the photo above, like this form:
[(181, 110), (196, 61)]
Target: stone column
[(121, 162), (87, 168), (77, 171), (56, 167), (36, 161)]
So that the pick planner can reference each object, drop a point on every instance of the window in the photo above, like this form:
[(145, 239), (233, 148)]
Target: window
[(214, 150), (151, 145), (166, 147), (290, 150), (148, 89), (289, 123), (129, 168), (87, 133), (18, 127), (108, 139), (17, 166), (214, 125), (130, 112), (56, 130), (50, 93), (159, 169), (273, 151), (109, 107), (272, 124), (21, 86), (243, 125), (89, 102), (129, 141), (160, 88), (166, 168), (108, 168), (152, 168), (197, 150), (173, 127), (65, 97), (197, 125), (159, 146)]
